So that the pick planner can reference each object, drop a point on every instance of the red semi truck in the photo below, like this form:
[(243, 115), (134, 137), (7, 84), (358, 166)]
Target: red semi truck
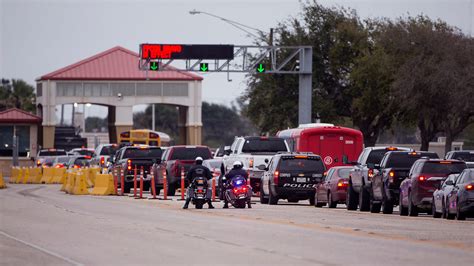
[(332, 143)]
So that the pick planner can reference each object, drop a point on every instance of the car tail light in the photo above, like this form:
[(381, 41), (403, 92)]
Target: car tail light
[(342, 183), (76, 166), (251, 163), (276, 176), (87, 157), (102, 160), (38, 163), (371, 173), (421, 178), (392, 149), (391, 176), (129, 164), (59, 165), (469, 187), (175, 169)]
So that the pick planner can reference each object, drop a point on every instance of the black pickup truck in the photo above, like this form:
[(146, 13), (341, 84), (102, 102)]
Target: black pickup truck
[(393, 169), (131, 157)]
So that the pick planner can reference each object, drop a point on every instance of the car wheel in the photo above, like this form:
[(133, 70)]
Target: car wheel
[(317, 204), (331, 204), (443, 210), (171, 189), (272, 199), (351, 198), (402, 209), (311, 200), (387, 206), (364, 200), (459, 214), (126, 187), (263, 200), (412, 209), (433, 210), (374, 206)]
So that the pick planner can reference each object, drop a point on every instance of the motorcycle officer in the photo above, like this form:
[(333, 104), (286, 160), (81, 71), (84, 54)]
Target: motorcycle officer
[(198, 170), (235, 171)]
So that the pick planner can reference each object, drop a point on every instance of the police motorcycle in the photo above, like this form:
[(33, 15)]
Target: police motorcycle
[(237, 191), (200, 187)]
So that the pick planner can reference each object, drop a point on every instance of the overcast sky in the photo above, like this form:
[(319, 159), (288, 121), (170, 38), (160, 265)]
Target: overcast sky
[(37, 37)]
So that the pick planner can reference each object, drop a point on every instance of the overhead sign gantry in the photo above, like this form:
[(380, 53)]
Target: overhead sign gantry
[(237, 59)]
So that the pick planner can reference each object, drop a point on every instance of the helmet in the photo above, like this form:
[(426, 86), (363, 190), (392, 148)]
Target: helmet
[(198, 160), (237, 164)]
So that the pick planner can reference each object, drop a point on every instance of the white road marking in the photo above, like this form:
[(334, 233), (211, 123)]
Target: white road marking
[(42, 249)]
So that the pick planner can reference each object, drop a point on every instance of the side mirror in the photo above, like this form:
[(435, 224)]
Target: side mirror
[(262, 167), (227, 151), (266, 160), (449, 183)]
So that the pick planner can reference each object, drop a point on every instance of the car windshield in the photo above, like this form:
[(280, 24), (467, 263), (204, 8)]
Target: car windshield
[(84, 152), (443, 168), (344, 172), (142, 153), (301, 165), (108, 150), (81, 162), (463, 156), (188, 153), (51, 153), (376, 156), (264, 145), (406, 160)]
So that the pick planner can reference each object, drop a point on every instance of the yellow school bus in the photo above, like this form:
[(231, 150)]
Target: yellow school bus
[(140, 136)]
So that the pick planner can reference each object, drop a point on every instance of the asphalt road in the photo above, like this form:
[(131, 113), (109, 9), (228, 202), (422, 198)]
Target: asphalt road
[(39, 225)]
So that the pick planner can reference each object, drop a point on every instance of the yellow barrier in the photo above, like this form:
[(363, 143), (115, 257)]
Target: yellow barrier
[(14, 174), (2, 183), (80, 184), (69, 185), (93, 172), (21, 172), (35, 175), (58, 174), (47, 175), (26, 175), (104, 185)]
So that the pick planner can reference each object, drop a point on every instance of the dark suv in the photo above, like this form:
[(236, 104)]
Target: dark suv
[(393, 169), (416, 191), (291, 176)]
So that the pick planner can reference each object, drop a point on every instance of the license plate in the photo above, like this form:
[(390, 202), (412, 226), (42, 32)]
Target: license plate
[(301, 179), (241, 196)]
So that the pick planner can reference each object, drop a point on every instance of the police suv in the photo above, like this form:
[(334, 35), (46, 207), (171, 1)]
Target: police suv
[(291, 176)]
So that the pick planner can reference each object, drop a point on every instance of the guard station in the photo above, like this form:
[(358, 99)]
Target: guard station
[(112, 79)]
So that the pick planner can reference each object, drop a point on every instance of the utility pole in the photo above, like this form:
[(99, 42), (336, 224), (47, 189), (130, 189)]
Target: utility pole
[(153, 116), (15, 147)]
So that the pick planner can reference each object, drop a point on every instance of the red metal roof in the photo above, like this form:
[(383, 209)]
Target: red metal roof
[(17, 116), (117, 63)]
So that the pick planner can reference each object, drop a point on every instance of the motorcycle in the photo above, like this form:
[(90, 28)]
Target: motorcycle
[(199, 186), (237, 192)]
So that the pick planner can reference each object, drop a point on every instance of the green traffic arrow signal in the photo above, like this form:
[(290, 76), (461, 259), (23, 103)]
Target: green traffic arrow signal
[(260, 68), (204, 67), (154, 66)]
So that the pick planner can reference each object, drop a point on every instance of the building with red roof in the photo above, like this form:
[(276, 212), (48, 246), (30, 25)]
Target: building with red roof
[(25, 126), (112, 78)]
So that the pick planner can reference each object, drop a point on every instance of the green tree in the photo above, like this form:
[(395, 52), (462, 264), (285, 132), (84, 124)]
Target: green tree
[(220, 123), (17, 94), (433, 84)]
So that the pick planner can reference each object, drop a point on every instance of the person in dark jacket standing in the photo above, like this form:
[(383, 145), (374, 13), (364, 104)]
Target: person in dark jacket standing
[(198, 170)]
